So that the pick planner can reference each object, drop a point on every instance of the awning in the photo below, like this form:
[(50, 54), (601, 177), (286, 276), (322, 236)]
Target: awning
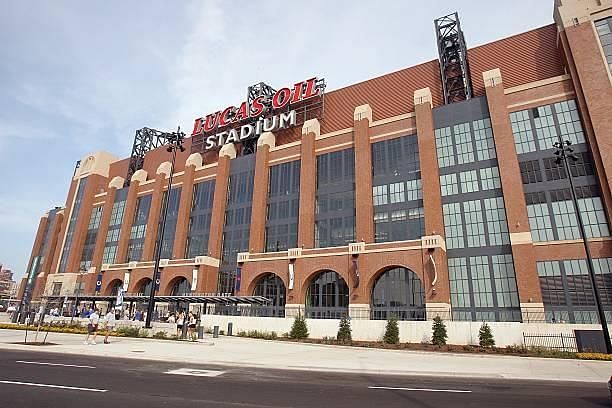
[(224, 300)]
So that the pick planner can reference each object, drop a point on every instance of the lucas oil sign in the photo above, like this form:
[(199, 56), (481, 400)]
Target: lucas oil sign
[(264, 112)]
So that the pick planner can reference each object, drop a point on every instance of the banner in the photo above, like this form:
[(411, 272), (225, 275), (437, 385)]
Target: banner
[(157, 280), (126, 281), (99, 283), (291, 275), (119, 302), (238, 278), (194, 279)]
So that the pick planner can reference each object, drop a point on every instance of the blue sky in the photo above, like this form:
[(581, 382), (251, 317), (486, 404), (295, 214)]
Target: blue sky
[(78, 77)]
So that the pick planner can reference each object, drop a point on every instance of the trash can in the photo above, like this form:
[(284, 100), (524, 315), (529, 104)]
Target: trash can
[(215, 332), (230, 326)]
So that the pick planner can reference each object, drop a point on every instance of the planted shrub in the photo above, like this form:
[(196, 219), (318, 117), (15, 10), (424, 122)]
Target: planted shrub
[(439, 334), (391, 331), (485, 336), (159, 335), (299, 329), (344, 332), (130, 332)]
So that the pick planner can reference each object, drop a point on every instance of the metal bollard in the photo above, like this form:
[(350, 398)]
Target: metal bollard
[(200, 332), (230, 326), (215, 332)]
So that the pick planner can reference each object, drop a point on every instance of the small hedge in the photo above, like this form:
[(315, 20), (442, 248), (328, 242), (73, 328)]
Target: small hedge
[(256, 334), (594, 356)]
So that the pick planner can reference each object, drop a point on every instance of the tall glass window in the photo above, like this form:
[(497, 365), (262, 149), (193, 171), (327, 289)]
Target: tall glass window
[(604, 31), (237, 219), (114, 227), (199, 220), (139, 229), (335, 199), (90, 238), (327, 297), (398, 292), (283, 206), (397, 190), (173, 208), (76, 208)]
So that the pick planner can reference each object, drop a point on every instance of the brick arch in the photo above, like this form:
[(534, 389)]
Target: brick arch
[(305, 282), (109, 286), (139, 283), (172, 282), (255, 279), (374, 277)]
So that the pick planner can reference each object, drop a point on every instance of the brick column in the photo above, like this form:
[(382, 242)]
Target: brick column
[(308, 184), (115, 184), (257, 235), (182, 222), (516, 211), (438, 296), (140, 176), (364, 206)]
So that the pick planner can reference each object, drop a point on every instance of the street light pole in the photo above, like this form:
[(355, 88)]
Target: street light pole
[(564, 153), (175, 142)]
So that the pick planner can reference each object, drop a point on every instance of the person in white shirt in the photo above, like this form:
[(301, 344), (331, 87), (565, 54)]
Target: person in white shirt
[(92, 327), (109, 320)]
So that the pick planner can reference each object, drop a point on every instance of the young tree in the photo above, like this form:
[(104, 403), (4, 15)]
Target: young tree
[(392, 331), (344, 332), (439, 335), (299, 330), (485, 336)]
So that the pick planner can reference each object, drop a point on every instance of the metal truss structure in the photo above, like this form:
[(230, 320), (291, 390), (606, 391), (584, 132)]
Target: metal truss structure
[(147, 139), (452, 51)]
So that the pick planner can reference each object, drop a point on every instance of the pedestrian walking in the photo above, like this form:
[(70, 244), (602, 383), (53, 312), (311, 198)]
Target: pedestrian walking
[(180, 320), (109, 320), (92, 326), (192, 325)]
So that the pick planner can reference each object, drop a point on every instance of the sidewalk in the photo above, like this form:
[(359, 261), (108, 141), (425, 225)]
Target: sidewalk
[(235, 351)]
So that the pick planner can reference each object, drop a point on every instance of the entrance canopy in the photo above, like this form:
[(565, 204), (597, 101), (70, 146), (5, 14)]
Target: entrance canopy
[(224, 300)]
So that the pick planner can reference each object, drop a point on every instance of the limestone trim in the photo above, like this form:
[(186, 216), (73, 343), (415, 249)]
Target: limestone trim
[(423, 96), (520, 238), (228, 150), (95, 163), (571, 241), (492, 77), (145, 192), (267, 138), (573, 12), (392, 119), (537, 84), (363, 112), (117, 182), (335, 133), (103, 194), (334, 147), (544, 99), (311, 126), (98, 203), (400, 132), (140, 176), (194, 159), (285, 159), (210, 176), (164, 168)]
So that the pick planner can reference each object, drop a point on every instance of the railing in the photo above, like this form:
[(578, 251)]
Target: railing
[(312, 312), (557, 341), (246, 310), (383, 313)]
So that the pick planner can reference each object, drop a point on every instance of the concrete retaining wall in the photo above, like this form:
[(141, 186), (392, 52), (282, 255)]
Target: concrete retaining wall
[(505, 333)]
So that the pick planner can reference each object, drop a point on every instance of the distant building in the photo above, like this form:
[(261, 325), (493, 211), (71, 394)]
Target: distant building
[(7, 284)]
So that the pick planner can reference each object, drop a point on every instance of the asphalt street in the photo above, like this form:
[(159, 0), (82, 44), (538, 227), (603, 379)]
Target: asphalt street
[(36, 379)]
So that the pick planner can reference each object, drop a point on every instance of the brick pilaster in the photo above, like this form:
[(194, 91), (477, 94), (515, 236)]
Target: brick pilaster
[(308, 182), (364, 206)]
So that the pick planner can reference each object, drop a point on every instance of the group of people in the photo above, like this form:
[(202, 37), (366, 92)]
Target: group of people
[(94, 323), (183, 319)]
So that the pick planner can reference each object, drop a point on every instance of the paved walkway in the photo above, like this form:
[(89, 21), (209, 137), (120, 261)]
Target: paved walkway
[(285, 355)]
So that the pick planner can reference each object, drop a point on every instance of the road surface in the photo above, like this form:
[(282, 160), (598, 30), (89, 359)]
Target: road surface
[(36, 379)]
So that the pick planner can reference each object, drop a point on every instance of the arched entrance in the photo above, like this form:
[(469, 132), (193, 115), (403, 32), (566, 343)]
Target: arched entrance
[(145, 287), (181, 287), (327, 296), (399, 292), (271, 287), (114, 287)]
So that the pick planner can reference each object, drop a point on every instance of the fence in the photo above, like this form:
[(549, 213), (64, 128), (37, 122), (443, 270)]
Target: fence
[(556, 341)]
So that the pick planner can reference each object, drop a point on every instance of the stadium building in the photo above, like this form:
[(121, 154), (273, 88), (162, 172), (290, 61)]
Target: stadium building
[(433, 190)]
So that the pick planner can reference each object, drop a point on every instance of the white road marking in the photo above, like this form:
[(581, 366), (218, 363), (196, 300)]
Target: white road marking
[(53, 364), (195, 372), (417, 389), (63, 387)]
